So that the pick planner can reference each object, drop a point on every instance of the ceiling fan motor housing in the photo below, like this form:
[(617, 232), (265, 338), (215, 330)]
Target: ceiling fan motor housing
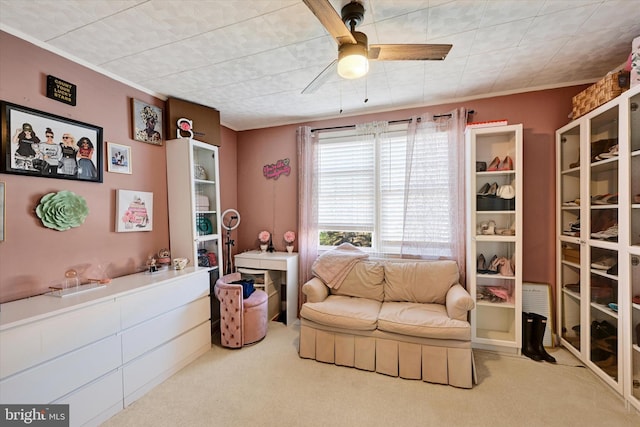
[(352, 14)]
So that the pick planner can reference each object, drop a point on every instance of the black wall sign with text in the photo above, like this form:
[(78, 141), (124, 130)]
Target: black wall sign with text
[(61, 91)]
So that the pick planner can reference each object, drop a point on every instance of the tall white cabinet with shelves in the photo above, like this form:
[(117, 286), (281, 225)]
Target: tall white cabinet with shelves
[(494, 233), (632, 385), (193, 186), (598, 164)]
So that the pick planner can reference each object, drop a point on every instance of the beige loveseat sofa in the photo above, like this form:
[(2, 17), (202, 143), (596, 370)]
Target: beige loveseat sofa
[(398, 318)]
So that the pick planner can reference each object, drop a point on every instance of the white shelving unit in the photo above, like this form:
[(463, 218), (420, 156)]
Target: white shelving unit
[(496, 322), (597, 320), (193, 185)]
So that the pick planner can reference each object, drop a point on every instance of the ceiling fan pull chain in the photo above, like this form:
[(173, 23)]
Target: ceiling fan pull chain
[(340, 98), (366, 89)]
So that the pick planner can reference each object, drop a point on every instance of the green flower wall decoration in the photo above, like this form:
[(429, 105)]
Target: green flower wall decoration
[(62, 210)]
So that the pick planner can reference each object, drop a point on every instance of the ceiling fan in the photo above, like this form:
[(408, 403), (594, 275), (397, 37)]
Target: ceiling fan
[(354, 51)]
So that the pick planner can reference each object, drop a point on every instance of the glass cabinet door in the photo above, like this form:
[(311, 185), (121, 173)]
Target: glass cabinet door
[(206, 221), (635, 326), (569, 223), (603, 239), (634, 146)]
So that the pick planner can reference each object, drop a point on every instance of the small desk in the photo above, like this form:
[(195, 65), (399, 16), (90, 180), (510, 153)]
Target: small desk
[(276, 261)]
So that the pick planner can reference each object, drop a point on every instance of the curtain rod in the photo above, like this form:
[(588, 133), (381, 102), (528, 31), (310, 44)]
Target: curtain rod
[(390, 122)]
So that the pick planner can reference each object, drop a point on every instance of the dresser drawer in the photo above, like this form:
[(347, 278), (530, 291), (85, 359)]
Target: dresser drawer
[(55, 378), (143, 373), (34, 343), (141, 306), (96, 402), (263, 264), (155, 332)]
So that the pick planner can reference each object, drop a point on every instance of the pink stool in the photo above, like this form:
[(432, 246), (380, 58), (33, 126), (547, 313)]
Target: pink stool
[(242, 321)]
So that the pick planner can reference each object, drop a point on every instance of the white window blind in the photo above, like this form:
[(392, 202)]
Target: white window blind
[(346, 183), (361, 185)]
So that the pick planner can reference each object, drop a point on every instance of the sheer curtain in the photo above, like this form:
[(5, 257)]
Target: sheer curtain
[(307, 204), (434, 202)]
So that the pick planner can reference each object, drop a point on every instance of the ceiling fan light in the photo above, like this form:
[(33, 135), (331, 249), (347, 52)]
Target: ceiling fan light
[(353, 66), (352, 60)]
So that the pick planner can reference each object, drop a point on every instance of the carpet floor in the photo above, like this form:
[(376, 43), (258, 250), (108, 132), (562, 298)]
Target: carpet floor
[(267, 384)]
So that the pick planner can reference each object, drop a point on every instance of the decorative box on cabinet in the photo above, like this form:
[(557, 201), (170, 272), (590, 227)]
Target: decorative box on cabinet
[(598, 164), (193, 187), (99, 351), (495, 321)]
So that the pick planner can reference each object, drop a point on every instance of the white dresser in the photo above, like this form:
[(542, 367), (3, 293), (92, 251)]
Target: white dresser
[(100, 350)]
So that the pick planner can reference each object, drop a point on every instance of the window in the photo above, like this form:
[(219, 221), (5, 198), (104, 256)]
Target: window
[(362, 184)]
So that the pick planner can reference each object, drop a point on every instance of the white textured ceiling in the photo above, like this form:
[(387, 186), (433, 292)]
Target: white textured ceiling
[(250, 59)]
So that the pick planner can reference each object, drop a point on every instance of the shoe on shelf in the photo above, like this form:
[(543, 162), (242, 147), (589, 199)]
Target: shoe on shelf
[(507, 164), (610, 233), (484, 190), (613, 152), (492, 265), (636, 198), (600, 199), (482, 264), (574, 226), (493, 190), (613, 270), (575, 202), (604, 263), (505, 267), (490, 228), (495, 164), (507, 231)]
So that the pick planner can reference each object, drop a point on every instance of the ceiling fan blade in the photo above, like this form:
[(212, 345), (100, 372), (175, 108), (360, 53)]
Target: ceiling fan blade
[(321, 78), (330, 19), (408, 52)]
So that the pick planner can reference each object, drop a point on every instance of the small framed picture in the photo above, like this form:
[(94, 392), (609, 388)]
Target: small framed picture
[(134, 211), (147, 122), (118, 158)]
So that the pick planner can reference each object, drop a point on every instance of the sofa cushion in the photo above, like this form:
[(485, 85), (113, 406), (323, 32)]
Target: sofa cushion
[(364, 281), (425, 282), (422, 320), (343, 312)]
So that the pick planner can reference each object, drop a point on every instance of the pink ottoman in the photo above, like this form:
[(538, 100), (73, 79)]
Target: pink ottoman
[(242, 321), (255, 317)]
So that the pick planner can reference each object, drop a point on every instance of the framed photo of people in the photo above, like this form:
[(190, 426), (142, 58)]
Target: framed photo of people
[(147, 122), (36, 143), (118, 158)]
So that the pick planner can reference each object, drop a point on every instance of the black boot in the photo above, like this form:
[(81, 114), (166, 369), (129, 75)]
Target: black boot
[(528, 348), (539, 325)]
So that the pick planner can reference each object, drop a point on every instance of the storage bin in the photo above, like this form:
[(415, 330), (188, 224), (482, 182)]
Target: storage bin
[(484, 203), (600, 92)]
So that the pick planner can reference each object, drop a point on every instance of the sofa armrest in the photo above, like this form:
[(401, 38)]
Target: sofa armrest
[(315, 290), (459, 302)]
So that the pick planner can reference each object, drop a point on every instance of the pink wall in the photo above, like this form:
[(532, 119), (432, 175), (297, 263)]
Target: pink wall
[(228, 178), (33, 257), (272, 205)]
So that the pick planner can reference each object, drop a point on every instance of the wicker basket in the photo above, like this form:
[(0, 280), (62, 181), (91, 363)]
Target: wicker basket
[(600, 92)]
